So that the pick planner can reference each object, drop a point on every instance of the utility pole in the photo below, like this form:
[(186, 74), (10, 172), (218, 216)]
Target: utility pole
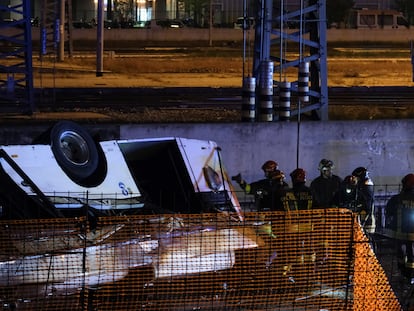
[(100, 39), (61, 43), (210, 28)]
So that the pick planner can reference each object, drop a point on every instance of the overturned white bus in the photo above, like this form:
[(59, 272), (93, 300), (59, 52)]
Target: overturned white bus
[(147, 185), (70, 171)]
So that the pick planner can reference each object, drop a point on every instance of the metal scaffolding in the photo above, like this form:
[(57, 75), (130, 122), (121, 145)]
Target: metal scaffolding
[(16, 74), (16, 53), (290, 40), (56, 28)]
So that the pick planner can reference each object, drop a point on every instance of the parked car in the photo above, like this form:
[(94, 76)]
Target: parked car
[(141, 24), (82, 24), (170, 23)]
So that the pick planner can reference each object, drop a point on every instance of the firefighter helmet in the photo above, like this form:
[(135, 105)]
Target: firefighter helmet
[(360, 172), (270, 166), (277, 175), (350, 180), (408, 182), (298, 175), (325, 163)]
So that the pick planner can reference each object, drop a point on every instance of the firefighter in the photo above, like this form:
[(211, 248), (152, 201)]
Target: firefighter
[(325, 186), (299, 197), (399, 214), (345, 196), (268, 191), (364, 199), (299, 225)]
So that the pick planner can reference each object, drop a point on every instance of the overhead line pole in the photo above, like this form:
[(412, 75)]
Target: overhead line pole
[(100, 39)]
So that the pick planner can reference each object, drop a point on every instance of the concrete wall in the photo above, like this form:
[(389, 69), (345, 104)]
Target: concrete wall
[(371, 35), (386, 148), (183, 35), (223, 34), (162, 35)]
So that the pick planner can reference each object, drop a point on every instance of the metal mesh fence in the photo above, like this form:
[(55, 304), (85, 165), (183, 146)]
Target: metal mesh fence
[(307, 260)]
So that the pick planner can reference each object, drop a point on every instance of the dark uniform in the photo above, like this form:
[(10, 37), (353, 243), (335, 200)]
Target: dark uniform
[(399, 215), (268, 191), (298, 226), (299, 197), (364, 200), (325, 186), (346, 196), (357, 194)]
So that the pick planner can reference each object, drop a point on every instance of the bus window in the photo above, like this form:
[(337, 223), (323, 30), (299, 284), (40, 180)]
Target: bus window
[(386, 20), (367, 20), (401, 21)]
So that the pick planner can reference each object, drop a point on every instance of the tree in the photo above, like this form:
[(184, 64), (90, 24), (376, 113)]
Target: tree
[(337, 11)]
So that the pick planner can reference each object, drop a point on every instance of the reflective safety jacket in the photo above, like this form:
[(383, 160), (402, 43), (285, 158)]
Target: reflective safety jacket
[(268, 194), (299, 197)]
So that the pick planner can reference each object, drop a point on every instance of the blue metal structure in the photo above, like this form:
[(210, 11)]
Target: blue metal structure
[(49, 28), (288, 34), (16, 74)]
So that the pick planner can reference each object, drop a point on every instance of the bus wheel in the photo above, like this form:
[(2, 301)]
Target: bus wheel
[(79, 156)]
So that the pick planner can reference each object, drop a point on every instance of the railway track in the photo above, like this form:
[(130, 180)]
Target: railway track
[(139, 98), (202, 100), (202, 97), (397, 96)]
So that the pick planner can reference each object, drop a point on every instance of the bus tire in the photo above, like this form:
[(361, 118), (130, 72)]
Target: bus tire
[(78, 155)]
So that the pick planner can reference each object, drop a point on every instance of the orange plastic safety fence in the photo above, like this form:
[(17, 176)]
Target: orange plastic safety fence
[(372, 290), (37, 258), (308, 260)]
